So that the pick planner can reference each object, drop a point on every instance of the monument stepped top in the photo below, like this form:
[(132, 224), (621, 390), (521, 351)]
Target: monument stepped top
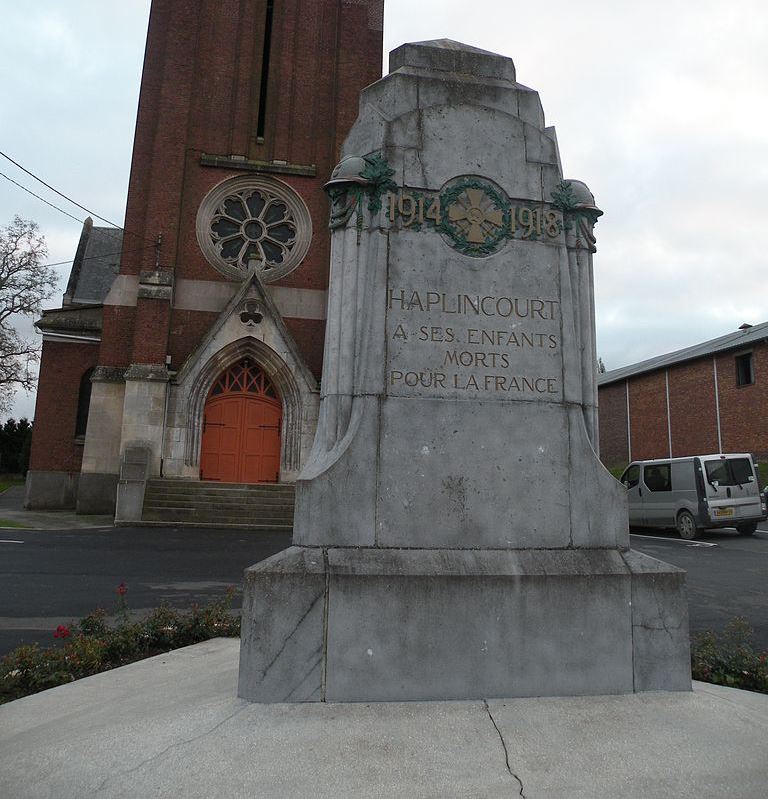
[(446, 55)]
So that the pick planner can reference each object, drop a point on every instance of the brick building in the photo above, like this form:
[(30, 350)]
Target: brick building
[(712, 397), (196, 334)]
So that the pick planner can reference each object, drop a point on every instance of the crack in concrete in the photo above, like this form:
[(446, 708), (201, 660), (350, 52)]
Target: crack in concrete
[(168, 748), (661, 611), (504, 747)]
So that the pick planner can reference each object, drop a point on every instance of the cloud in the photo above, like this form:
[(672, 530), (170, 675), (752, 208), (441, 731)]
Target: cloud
[(662, 108)]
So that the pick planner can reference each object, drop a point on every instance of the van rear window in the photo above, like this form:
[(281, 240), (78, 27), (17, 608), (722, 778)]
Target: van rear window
[(731, 472)]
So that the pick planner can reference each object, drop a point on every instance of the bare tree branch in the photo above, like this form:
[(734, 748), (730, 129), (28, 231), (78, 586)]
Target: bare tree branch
[(25, 283)]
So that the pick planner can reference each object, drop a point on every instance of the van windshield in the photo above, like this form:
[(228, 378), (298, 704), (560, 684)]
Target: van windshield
[(731, 472)]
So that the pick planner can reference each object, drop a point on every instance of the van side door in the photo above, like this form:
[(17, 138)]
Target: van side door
[(658, 505), (685, 488), (631, 481)]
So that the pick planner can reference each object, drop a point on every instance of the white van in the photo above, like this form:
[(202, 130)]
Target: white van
[(694, 493)]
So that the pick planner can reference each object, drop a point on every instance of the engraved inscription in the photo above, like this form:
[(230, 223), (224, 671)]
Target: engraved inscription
[(456, 343)]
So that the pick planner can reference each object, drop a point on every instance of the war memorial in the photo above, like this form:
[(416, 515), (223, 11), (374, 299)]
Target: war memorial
[(455, 534)]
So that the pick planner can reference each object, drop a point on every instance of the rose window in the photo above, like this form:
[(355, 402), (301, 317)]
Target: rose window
[(254, 220)]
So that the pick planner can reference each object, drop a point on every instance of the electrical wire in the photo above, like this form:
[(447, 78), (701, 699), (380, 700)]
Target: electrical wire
[(69, 199), (81, 221), (104, 255), (42, 199), (61, 194)]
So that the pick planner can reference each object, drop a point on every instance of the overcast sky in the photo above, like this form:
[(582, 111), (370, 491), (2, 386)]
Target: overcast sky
[(660, 107)]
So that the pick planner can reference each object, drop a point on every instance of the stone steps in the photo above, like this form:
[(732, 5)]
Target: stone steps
[(194, 503)]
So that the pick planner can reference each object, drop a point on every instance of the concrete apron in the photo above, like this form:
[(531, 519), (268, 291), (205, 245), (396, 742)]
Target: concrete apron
[(172, 726)]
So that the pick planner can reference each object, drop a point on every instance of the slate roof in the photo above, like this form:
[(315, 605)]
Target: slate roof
[(730, 341), (96, 264)]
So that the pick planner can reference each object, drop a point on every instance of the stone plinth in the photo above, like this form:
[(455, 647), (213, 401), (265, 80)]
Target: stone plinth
[(348, 625)]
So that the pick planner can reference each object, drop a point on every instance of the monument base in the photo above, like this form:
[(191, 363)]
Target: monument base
[(358, 625)]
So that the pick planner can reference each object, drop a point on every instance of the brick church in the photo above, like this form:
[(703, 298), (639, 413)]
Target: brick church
[(195, 335)]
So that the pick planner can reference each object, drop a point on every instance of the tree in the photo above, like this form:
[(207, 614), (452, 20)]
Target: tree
[(15, 438), (25, 283)]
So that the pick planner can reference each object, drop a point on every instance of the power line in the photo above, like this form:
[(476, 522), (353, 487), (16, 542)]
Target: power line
[(81, 221), (103, 255), (61, 194), (69, 199), (61, 210), (154, 243), (2, 174)]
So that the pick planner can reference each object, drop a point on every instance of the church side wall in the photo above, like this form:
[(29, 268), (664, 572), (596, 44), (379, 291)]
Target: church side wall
[(309, 335), (62, 365), (56, 454)]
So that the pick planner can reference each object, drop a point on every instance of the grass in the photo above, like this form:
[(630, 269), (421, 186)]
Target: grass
[(617, 471), (5, 484)]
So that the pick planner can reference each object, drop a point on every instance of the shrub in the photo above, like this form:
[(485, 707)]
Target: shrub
[(731, 659), (91, 645)]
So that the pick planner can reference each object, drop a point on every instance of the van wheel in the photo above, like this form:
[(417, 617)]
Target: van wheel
[(686, 525), (747, 529)]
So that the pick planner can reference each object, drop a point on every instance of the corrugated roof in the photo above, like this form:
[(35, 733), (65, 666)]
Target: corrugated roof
[(730, 341)]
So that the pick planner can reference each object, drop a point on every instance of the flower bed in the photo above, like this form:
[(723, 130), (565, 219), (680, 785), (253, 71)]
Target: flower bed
[(730, 659), (92, 645)]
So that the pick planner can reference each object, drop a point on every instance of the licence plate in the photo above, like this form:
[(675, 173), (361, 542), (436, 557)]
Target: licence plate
[(721, 513)]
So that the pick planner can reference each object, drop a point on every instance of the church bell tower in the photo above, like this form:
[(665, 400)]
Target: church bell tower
[(244, 105)]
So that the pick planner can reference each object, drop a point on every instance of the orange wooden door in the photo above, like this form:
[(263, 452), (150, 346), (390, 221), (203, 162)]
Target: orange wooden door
[(261, 442), (241, 428), (220, 450)]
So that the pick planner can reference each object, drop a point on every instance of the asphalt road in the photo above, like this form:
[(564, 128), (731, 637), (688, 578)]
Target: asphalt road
[(50, 577), (53, 577), (727, 576)]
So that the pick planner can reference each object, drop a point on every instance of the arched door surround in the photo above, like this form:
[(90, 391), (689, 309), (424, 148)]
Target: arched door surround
[(196, 381)]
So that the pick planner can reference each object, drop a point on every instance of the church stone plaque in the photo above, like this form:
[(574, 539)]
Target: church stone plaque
[(455, 533)]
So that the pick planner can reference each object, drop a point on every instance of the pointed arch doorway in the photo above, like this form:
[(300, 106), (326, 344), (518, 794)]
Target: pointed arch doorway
[(241, 427)]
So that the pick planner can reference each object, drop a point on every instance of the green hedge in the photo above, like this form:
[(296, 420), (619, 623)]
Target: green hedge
[(730, 659)]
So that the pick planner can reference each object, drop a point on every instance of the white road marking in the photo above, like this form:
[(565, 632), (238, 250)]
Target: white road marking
[(9, 541), (676, 540)]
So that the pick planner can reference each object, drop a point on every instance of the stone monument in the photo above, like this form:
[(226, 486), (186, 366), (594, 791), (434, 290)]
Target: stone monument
[(456, 535)]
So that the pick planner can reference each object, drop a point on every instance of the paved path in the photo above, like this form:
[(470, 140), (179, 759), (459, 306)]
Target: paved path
[(171, 726), (12, 509)]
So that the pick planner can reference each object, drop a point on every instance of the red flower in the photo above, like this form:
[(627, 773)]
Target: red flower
[(62, 632), (122, 589)]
